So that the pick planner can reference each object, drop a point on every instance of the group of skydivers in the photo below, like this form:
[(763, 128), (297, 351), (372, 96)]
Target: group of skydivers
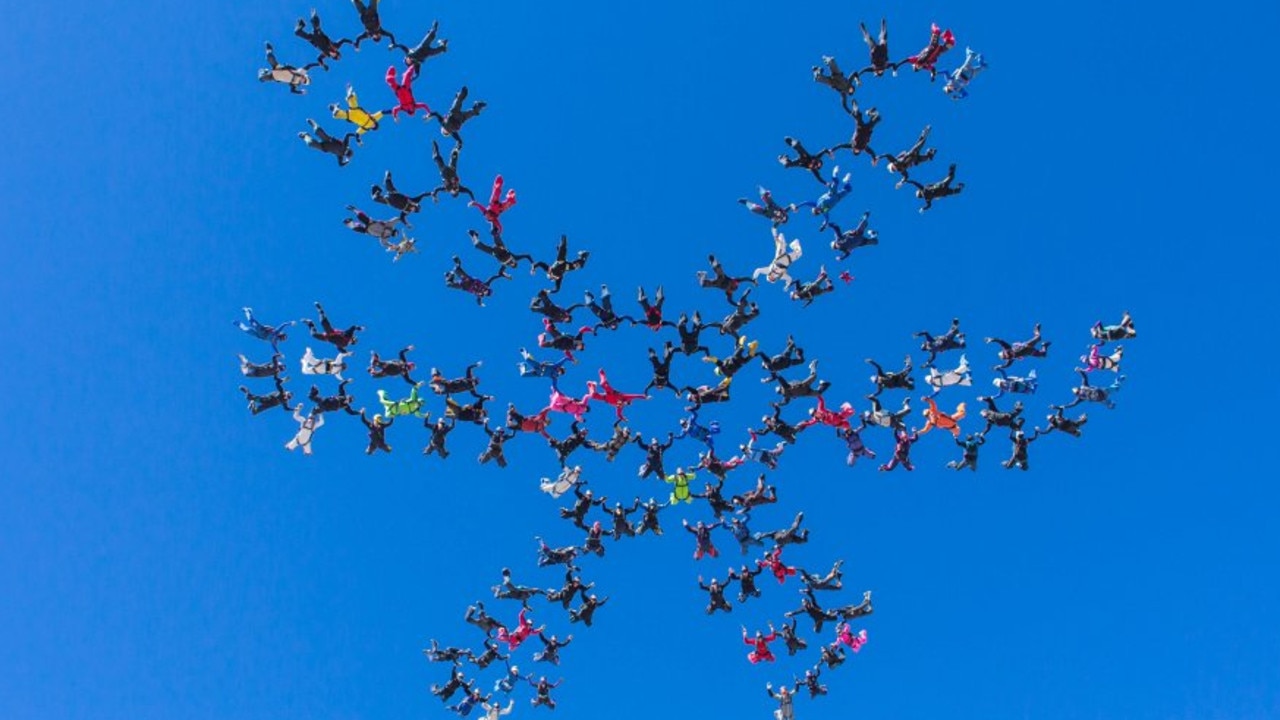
[(463, 403)]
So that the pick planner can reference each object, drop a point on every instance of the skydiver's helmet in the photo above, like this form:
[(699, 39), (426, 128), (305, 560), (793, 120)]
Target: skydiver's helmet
[(264, 75)]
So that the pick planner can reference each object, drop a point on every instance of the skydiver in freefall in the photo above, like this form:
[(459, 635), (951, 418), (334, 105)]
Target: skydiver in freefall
[(451, 122), (911, 157), (320, 140), (940, 189)]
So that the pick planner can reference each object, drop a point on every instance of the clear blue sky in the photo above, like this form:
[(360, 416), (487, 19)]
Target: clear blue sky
[(161, 556)]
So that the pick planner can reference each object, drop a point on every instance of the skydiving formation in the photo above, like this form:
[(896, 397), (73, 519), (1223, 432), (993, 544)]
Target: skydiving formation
[(717, 483)]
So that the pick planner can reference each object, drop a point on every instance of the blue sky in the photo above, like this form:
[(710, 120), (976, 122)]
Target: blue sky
[(163, 557)]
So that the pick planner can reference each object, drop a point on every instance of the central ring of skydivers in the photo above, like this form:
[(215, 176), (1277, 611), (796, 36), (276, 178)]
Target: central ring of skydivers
[(732, 514)]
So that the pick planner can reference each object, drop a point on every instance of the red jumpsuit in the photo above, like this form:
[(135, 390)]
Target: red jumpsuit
[(761, 653), (497, 205), (404, 92), (773, 561)]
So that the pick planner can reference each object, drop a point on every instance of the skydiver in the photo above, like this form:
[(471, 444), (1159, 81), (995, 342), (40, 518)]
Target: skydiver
[(342, 401), (879, 49), (831, 655), (457, 681), (702, 538), (849, 240), (1111, 333), (530, 366), (573, 586), (765, 456), (307, 426), (784, 256), (551, 648), (380, 368), (289, 75), (744, 311), (402, 88), (320, 41), (903, 441), (834, 78), (595, 539), (810, 681), (769, 208), (651, 312), (621, 526), (440, 430), (1059, 421), (926, 59), (454, 655), (853, 442), (585, 612), (694, 430), (661, 379), (274, 334), (261, 403), (812, 290), (581, 506), (576, 438), (459, 279), (1021, 441), (689, 334), (997, 418), (780, 570), (377, 428), (806, 387), (786, 710), (789, 535), (837, 189), (542, 692), (509, 590), (899, 380), (622, 436), (603, 309), (493, 450), (355, 113), (864, 126), (563, 483), (718, 467), (491, 654), (387, 194), (785, 431), (649, 520), (326, 143), (952, 339), (468, 383), (746, 578), (553, 338), (742, 533), (492, 212), (879, 417), (372, 23), (809, 606), (939, 189), (262, 370), (449, 180), (472, 413), (384, 231), (729, 366), (791, 356), (911, 157), (794, 642), (477, 616), (855, 611), (721, 280), (451, 123), (653, 456), (426, 49), (544, 305), (1012, 352), (548, 556), (1093, 393), (804, 159), (760, 651), (715, 595), (561, 266), (831, 581), (969, 446)]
